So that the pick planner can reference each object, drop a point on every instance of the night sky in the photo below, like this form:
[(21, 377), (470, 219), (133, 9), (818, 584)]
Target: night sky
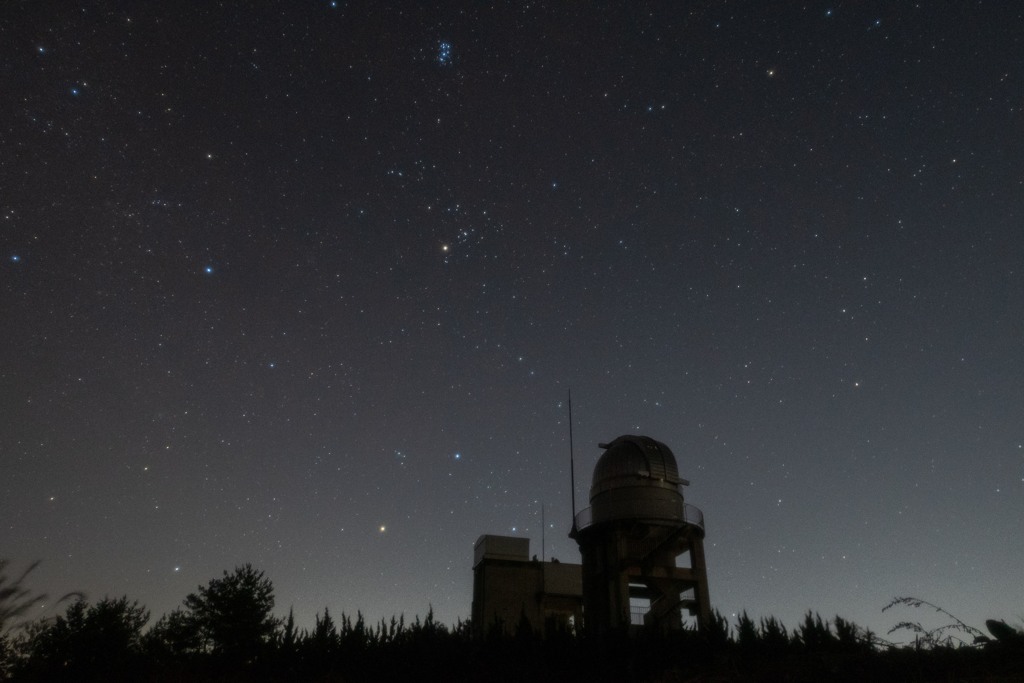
[(307, 284)]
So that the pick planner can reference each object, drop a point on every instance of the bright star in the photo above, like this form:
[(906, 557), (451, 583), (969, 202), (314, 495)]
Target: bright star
[(208, 270)]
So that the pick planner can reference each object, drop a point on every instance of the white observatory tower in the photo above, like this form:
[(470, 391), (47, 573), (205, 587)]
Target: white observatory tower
[(630, 537)]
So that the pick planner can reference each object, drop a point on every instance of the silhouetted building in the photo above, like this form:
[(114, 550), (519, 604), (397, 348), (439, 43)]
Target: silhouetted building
[(636, 527), (510, 589), (630, 538)]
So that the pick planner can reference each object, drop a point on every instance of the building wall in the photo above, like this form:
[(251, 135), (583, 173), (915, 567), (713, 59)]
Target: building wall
[(509, 588)]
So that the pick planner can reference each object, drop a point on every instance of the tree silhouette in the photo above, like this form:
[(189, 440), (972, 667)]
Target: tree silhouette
[(173, 638), (226, 632), (289, 636), (325, 633), (233, 615), (88, 642)]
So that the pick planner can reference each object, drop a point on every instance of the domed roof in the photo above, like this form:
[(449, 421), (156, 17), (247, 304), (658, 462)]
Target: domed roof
[(631, 461)]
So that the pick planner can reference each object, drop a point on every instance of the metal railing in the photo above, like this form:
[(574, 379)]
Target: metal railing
[(691, 515), (584, 518)]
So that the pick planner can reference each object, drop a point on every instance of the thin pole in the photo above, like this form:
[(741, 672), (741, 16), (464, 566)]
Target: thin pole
[(543, 536), (572, 464)]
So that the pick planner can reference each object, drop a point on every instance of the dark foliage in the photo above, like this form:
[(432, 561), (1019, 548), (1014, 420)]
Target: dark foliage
[(16, 598), (88, 642), (956, 632), (1006, 636), (233, 615), (226, 631), (226, 627), (173, 638)]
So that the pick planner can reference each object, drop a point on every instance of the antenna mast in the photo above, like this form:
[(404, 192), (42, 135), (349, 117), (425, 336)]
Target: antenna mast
[(572, 465)]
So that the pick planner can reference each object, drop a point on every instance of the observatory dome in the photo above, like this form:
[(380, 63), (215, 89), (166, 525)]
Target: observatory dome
[(636, 478)]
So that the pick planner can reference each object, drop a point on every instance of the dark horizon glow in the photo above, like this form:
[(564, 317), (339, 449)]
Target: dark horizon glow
[(306, 286)]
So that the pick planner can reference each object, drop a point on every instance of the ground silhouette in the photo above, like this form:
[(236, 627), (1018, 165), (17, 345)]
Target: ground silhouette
[(227, 631)]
